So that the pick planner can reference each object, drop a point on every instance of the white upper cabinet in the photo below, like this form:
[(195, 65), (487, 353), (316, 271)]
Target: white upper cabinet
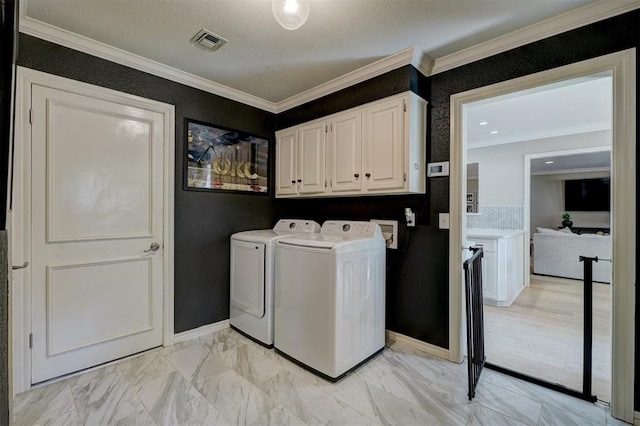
[(374, 149), (383, 125), (287, 162), (311, 158), (345, 152)]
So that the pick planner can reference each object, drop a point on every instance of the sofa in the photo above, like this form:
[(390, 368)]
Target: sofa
[(557, 254)]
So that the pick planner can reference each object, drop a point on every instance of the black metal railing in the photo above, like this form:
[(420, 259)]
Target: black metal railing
[(587, 372), (475, 318), (587, 354)]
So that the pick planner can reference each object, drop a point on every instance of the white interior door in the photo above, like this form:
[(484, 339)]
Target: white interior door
[(97, 205)]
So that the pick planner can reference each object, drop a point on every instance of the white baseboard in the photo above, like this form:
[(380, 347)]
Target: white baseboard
[(200, 331), (418, 344), (636, 418)]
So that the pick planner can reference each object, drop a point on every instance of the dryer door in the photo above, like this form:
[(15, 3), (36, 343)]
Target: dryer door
[(247, 276)]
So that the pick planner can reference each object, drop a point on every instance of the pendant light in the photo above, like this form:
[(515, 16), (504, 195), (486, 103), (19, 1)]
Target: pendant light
[(291, 14)]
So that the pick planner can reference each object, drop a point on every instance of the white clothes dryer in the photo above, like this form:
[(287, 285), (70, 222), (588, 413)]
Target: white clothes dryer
[(330, 297), (252, 277)]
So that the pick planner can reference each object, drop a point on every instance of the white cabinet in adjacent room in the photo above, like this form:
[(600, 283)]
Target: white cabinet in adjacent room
[(502, 264), (374, 149)]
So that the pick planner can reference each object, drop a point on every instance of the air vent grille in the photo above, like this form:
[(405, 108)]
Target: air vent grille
[(208, 39)]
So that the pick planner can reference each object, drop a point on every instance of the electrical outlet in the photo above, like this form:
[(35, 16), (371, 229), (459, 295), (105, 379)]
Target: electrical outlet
[(412, 223), (443, 221)]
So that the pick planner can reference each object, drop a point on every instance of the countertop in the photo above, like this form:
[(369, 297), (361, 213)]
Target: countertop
[(492, 233)]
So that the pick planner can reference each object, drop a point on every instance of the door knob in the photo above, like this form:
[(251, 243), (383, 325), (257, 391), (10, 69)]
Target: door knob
[(154, 247)]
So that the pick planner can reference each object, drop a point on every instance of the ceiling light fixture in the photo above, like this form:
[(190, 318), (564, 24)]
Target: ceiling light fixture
[(494, 132), (291, 14), (548, 162), (483, 123)]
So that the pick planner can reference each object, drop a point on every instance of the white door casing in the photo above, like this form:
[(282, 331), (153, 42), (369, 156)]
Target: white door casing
[(91, 293), (623, 66)]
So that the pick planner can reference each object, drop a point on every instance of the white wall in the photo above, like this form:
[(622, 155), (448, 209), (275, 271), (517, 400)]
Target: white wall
[(547, 202), (501, 167)]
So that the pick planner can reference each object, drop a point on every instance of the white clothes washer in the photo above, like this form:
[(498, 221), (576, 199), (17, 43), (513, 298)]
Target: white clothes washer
[(252, 277), (330, 297)]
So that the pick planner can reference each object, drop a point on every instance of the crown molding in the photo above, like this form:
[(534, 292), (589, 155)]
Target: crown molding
[(83, 44), (567, 21), (410, 56)]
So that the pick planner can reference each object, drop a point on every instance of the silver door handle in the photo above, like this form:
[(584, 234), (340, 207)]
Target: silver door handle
[(24, 265), (154, 247)]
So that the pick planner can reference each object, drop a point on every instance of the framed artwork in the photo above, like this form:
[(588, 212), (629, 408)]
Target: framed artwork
[(471, 197), (471, 208), (224, 159)]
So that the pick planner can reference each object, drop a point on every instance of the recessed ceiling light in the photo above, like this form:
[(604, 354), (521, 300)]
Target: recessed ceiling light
[(483, 123), (548, 162), (493, 132)]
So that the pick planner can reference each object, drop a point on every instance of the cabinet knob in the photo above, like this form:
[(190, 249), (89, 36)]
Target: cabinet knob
[(368, 175), (356, 175), (293, 182), (299, 180)]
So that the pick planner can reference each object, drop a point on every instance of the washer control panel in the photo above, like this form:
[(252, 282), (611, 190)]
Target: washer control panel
[(296, 226), (351, 228)]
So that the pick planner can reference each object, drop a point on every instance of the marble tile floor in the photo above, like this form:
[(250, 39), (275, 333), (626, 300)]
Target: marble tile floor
[(225, 379)]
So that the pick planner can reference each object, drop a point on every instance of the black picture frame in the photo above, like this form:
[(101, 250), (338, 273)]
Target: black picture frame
[(222, 159)]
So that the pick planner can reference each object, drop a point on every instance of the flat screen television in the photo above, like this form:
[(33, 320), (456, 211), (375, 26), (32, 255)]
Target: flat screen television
[(587, 195)]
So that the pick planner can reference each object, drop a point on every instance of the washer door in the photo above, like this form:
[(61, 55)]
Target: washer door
[(247, 277)]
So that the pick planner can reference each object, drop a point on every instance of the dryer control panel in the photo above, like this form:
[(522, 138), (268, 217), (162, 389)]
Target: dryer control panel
[(351, 228), (295, 226)]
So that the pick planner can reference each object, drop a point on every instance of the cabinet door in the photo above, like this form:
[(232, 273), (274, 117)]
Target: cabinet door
[(345, 139), (490, 277), (311, 158), (384, 142), (286, 162)]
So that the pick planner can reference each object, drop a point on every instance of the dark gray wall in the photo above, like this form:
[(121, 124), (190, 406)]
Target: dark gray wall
[(203, 220)]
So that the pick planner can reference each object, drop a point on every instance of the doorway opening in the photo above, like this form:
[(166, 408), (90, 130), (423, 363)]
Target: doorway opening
[(510, 215)]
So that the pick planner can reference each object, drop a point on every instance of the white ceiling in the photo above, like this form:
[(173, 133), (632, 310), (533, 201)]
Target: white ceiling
[(569, 107), (267, 61)]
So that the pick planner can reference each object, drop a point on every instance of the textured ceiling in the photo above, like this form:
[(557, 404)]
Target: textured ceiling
[(265, 60)]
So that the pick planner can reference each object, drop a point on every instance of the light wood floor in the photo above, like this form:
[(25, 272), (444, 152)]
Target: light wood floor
[(541, 333)]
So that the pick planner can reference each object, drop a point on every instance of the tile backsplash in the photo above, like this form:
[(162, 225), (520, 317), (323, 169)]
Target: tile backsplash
[(497, 217)]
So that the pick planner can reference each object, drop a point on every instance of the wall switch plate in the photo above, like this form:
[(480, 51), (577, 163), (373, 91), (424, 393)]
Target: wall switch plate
[(443, 221), (389, 231)]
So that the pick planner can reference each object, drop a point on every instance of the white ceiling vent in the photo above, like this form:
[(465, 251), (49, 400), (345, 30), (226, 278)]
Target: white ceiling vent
[(208, 39)]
